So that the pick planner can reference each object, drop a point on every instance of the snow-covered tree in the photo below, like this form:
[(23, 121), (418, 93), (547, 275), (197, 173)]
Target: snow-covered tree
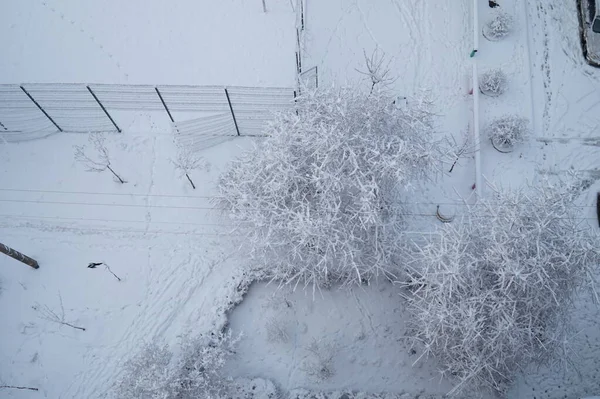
[(186, 162), (508, 131), (377, 68), (493, 83), (322, 194), (490, 294), (499, 26), (96, 159)]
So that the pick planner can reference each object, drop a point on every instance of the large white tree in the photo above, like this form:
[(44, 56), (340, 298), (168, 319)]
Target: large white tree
[(321, 196), (490, 294)]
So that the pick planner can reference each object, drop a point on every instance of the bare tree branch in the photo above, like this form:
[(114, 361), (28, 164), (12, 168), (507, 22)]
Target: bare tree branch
[(96, 159), (47, 313), (377, 69)]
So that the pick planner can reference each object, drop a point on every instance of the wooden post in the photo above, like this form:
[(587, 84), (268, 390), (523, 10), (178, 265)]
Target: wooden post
[(18, 256), (237, 129), (103, 109), (40, 108)]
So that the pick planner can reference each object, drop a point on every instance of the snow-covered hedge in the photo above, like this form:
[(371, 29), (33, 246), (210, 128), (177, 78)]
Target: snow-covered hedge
[(490, 294), (499, 26), (508, 131), (321, 195), (493, 83), (154, 373)]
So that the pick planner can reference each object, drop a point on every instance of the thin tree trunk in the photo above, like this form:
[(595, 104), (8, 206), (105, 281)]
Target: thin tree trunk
[(72, 326), (16, 387), (111, 272), (264, 5), (116, 175), (190, 180)]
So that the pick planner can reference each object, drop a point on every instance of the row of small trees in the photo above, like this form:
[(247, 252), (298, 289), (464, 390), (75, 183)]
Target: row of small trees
[(95, 157)]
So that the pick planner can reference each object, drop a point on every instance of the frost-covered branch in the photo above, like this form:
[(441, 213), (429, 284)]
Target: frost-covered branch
[(323, 193), (96, 159), (48, 314), (377, 69), (491, 293), (186, 162)]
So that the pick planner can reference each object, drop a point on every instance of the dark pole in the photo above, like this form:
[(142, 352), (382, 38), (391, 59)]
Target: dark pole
[(164, 104), (296, 102), (41, 109), (232, 114), (103, 109), (2, 125), (302, 14), (316, 76), (18, 256)]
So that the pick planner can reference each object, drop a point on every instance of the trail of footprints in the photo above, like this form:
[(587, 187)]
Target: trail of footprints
[(85, 33)]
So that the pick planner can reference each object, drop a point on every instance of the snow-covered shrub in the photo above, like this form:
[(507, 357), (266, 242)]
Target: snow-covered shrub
[(490, 294), (276, 330), (493, 83), (147, 375), (154, 373), (321, 194), (319, 364), (508, 131), (200, 364), (499, 26)]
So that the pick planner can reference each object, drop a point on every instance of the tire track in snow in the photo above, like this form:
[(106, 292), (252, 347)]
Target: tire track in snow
[(168, 292)]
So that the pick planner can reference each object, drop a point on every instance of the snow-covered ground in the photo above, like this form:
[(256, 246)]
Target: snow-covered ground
[(177, 257)]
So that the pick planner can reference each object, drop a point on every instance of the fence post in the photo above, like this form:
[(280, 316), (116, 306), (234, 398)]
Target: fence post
[(302, 14), (3, 127), (237, 129), (296, 101), (103, 109), (316, 76), (41, 109), (18, 256), (164, 104)]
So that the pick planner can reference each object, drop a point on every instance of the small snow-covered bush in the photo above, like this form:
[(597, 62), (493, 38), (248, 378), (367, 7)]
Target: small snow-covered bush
[(147, 375), (276, 330), (490, 294), (493, 83), (199, 367), (508, 131), (154, 373), (319, 365), (322, 194), (499, 26)]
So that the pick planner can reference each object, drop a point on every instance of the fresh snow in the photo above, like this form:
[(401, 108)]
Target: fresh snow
[(177, 257)]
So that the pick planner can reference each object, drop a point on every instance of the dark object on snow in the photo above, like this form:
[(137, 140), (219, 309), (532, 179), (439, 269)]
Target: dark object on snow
[(493, 4), (93, 265), (6, 250), (598, 208)]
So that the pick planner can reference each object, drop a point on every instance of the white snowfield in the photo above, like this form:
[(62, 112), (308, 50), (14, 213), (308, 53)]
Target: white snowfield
[(177, 257)]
